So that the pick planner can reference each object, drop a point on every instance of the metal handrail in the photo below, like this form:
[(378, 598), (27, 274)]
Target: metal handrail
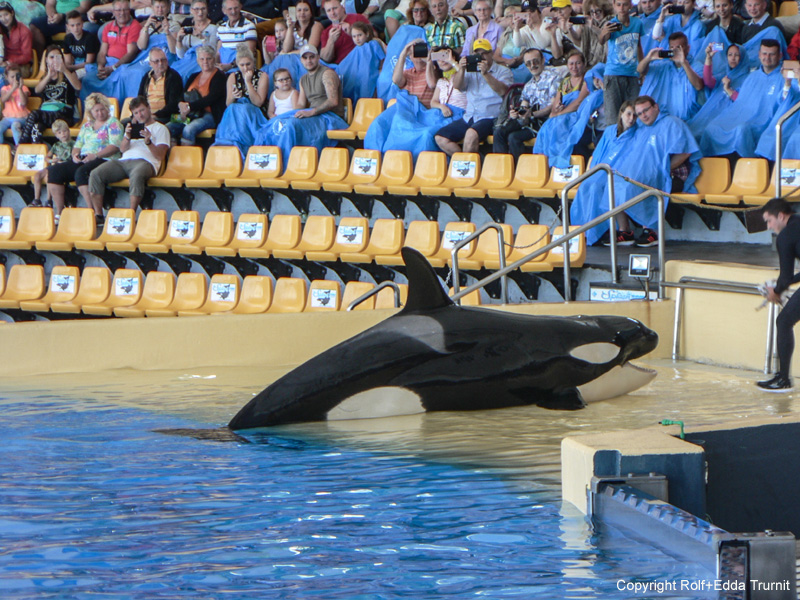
[(719, 285), (779, 145), (374, 291), (649, 193), (501, 252)]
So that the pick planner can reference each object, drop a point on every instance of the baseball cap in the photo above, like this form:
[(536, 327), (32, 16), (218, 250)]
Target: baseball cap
[(562, 3), (308, 49), (482, 44)]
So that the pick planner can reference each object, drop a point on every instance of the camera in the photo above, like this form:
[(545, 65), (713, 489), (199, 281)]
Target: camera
[(188, 30), (136, 130), (676, 10), (420, 50), (666, 53), (159, 19), (472, 63), (615, 25), (103, 17), (578, 19)]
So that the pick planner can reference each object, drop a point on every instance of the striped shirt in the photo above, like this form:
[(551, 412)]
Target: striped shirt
[(231, 35)]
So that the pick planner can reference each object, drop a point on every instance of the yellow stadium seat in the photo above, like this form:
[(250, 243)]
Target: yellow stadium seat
[(471, 299), (352, 235), (8, 224), (714, 178), (62, 288), (125, 113), (217, 232), (464, 171), (250, 233), (386, 239), (289, 296), (183, 162), (323, 296), (318, 235), (487, 248), (256, 295), (789, 183), (262, 162), (333, 165), (117, 228), (559, 178), (453, 232), (356, 289), (190, 294), (76, 224), (430, 170), (184, 229), (223, 295), (25, 282), (497, 173), (283, 235), (157, 293), (397, 168), (385, 298), (126, 290), (151, 228), (347, 105), (365, 112), (531, 174), (27, 161), (2, 279), (35, 224), (94, 288), (577, 249), (422, 236), (787, 9), (301, 166), (364, 168), (5, 158), (529, 238), (222, 162), (750, 178)]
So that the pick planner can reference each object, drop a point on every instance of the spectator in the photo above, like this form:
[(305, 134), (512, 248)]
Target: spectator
[(445, 95), (507, 53), (485, 28), (80, 47), (14, 97), (485, 89), (335, 41), (530, 30), (285, 97), (17, 40), (162, 86), (570, 33), (159, 26), (280, 33), (59, 152), (57, 88), (445, 30), (98, 140), (245, 100), (197, 31), (621, 80), (119, 40), (233, 32), (672, 81), (418, 14), (413, 80), (597, 14), (759, 20), (201, 107), (537, 100), (144, 146), (725, 20), (304, 31), (688, 22), (649, 11)]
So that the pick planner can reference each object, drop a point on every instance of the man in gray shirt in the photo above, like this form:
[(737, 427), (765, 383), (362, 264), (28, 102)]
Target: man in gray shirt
[(485, 89)]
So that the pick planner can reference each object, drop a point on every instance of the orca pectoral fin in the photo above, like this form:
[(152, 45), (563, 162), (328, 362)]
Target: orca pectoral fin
[(564, 399)]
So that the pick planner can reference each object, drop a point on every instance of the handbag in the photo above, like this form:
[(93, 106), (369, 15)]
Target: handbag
[(191, 97)]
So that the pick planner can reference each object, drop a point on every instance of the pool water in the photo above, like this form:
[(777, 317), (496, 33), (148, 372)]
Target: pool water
[(96, 504)]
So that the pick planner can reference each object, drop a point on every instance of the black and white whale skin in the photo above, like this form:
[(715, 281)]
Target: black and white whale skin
[(436, 356)]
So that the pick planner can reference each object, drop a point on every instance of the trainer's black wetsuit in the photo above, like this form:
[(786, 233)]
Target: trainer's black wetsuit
[(788, 244)]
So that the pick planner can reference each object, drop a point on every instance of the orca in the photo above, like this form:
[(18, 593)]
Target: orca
[(434, 355)]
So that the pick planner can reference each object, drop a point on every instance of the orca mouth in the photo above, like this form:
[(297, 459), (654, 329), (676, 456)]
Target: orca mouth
[(639, 368)]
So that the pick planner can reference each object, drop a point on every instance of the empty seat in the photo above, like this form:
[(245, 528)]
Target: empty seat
[(531, 174), (28, 159), (217, 231), (352, 235), (529, 238), (577, 249), (151, 228), (365, 112), (25, 282), (487, 248), (62, 288), (95, 285), (256, 295), (750, 178), (789, 183), (422, 236), (8, 224), (75, 224), (464, 171), (302, 165), (497, 173), (559, 178), (261, 162), (397, 168), (323, 295), (430, 170), (223, 295), (386, 298), (354, 290), (183, 162), (471, 299), (117, 228), (157, 293), (364, 168), (222, 162), (332, 167), (386, 239), (284, 234), (318, 235), (126, 290), (714, 178), (289, 296), (453, 233), (250, 232), (184, 229), (35, 224), (190, 294), (5, 158)]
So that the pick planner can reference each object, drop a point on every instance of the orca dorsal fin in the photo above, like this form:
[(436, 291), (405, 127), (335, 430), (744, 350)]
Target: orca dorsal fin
[(425, 291)]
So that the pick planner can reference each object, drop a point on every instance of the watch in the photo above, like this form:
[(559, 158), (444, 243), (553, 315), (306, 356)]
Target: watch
[(148, 142)]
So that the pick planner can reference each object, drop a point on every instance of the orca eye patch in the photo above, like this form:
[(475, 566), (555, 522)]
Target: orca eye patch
[(597, 353)]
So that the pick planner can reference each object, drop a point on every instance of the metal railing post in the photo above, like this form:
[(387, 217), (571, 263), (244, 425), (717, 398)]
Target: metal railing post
[(779, 146), (375, 290), (501, 250)]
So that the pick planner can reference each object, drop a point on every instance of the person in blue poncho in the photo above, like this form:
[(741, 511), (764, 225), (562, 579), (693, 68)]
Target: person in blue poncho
[(687, 21), (620, 80), (727, 21), (759, 19), (736, 130), (649, 11), (790, 142), (671, 80)]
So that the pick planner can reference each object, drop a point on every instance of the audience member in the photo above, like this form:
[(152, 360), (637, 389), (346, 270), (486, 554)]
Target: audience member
[(284, 97), (485, 28), (14, 98), (234, 31), (57, 88), (597, 14), (671, 80), (80, 47), (201, 107), (687, 22), (17, 40), (413, 80), (725, 20), (621, 80), (360, 70), (335, 41), (790, 141), (197, 31), (118, 43), (649, 12), (162, 86), (305, 30), (418, 14), (530, 30), (569, 32), (441, 71), (507, 53), (719, 98), (759, 20), (445, 29), (59, 152), (158, 30)]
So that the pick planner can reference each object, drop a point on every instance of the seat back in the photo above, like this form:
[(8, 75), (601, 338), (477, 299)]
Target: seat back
[(471, 299), (126, 288), (365, 167), (577, 249), (190, 292), (302, 164), (95, 286), (25, 282), (323, 295), (397, 168), (348, 110), (256, 295), (223, 293), (367, 109), (7, 223), (430, 169), (64, 283), (151, 227), (497, 171), (284, 232), (261, 162), (559, 178), (790, 176), (125, 113), (251, 231), (184, 227), (352, 235), (289, 296), (28, 160), (5, 159), (318, 233), (751, 176), (76, 224), (453, 233), (715, 175), (333, 165), (184, 162), (487, 246), (423, 236), (217, 229), (119, 225), (158, 290), (385, 298), (530, 237), (464, 171), (222, 162), (531, 171), (387, 237), (35, 224), (356, 289)]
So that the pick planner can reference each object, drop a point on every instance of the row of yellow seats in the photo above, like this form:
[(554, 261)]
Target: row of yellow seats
[(128, 293)]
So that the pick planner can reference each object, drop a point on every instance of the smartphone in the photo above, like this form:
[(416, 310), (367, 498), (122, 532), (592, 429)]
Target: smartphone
[(788, 68), (136, 130), (716, 46), (293, 13), (676, 10), (615, 25), (665, 54), (440, 55), (577, 20)]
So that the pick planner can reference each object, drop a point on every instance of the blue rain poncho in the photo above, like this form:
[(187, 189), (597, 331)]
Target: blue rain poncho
[(404, 34), (670, 87), (239, 124), (559, 134), (790, 143), (359, 71)]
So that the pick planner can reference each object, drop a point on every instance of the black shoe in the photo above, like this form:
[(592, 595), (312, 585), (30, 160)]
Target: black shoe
[(99, 220), (779, 383), (624, 238), (647, 238)]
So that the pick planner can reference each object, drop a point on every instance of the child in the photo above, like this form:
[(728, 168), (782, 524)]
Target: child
[(272, 46), (80, 48), (59, 152), (14, 97), (362, 33), (285, 97)]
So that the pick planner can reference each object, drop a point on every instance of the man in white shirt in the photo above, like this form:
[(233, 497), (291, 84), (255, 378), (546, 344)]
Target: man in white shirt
[(143, 148)]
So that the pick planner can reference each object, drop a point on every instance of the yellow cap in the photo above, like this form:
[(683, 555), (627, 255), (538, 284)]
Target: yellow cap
[(482, 44), (561, 3)]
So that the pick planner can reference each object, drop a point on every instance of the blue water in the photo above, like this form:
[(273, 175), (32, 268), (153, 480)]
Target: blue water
[(95, 504)]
